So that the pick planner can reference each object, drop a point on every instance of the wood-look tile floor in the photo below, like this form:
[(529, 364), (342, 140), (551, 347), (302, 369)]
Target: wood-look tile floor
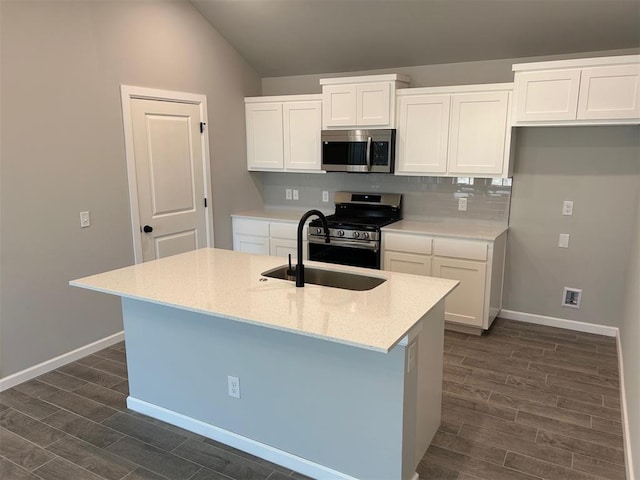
[(522, 402)]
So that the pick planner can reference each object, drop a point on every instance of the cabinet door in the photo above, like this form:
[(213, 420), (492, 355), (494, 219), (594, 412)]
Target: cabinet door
[(478, 132), (423, 133), (547, 95), (280, 247), (338, 105), (609, 92), (373, 104), (302, 127), (251, 244), (264, 136), (466, 303), (407, 263)]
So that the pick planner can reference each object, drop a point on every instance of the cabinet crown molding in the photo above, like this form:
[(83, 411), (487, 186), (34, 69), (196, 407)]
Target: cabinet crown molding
[(577, 63), (390, 77)]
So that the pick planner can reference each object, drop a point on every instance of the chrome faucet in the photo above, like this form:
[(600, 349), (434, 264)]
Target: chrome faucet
[(300, 266)]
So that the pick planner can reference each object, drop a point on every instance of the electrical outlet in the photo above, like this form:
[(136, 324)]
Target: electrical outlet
[(287, 194), (85, 220), (296, 196), (563, 240), (233, 384), (571, 297), (567, 208), (325, 196), (462, 204)]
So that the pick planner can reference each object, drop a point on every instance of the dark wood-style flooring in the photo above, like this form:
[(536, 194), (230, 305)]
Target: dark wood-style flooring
[(522, 402)]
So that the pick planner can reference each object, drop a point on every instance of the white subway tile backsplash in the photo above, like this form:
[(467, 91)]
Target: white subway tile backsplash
[(423, 197)]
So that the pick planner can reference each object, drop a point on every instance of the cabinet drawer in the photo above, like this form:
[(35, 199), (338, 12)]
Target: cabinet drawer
[(244, 226), (402, 242), (446, 247), (284, 230)]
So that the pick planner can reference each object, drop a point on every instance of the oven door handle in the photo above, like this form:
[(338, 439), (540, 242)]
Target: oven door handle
[(372, 245), (369, 139)]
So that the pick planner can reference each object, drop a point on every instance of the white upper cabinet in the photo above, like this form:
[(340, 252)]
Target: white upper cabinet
[(479, 124), (455, 131), (302, 122), (368, 101), (265, 150), (592, 91), (610, 92), (548, 95), (283, 133), (423, 133)]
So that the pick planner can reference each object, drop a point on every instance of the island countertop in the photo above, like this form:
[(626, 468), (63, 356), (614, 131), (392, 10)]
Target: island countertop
[(228, 284)]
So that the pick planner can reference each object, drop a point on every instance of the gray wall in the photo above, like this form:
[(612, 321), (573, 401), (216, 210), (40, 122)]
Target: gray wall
[(63, 152), (462, 73), (630, 339), (598, 168)]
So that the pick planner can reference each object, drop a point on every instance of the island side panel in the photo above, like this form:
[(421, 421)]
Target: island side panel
[(332, 404)]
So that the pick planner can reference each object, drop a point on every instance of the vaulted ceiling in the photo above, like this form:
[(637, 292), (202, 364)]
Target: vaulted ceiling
[(295, 37)]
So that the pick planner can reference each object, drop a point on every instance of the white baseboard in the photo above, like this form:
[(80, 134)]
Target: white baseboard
[(628, 453), (559, 322), (275, 455), (47, 366)]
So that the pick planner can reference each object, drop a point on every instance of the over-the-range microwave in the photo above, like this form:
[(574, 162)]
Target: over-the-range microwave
[(360, 151)]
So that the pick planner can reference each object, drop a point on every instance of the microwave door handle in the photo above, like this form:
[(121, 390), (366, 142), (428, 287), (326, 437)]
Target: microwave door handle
[(369, 154)]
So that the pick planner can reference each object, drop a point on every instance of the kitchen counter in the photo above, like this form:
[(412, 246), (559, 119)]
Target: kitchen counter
[(468, 229), (230, 285), (296, 376), (278, 214), (472, 230)]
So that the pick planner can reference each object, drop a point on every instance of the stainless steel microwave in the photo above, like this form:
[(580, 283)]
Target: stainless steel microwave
[(361, 151)]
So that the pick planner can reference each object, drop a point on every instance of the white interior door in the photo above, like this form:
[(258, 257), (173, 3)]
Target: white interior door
[(169, 171)]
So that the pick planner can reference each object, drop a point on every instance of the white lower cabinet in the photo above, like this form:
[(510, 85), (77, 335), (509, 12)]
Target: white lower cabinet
[(267, 237), (466, 303), (477, 264)]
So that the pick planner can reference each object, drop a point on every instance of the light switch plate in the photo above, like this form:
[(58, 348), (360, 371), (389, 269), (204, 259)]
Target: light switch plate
[(85, 220), (462, 204), (325, 196), (296, 195), (287, 194), (567, 208)]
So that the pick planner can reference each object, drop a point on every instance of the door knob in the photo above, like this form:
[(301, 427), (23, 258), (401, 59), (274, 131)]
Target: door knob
[(147, 229)]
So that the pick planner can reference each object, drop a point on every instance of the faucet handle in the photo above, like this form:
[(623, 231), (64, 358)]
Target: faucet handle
[(290, 270)]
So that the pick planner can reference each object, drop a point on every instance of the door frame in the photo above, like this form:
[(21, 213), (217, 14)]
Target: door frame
[(128, 93)]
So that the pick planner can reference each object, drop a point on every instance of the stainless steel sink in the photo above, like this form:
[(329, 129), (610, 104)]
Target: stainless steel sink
[(328, 278)]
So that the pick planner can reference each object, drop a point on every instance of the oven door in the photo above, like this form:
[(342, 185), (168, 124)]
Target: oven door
[(345, 252)]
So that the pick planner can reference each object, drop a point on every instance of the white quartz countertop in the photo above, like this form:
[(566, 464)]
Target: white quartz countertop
[(472, 229), (277, 214), (449, 228), (229, 284)]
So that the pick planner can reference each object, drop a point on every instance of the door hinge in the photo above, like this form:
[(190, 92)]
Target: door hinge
[(202, 125), (205, 202)]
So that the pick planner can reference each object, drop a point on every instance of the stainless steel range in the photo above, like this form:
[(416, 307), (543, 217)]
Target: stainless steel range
[(354, 229)]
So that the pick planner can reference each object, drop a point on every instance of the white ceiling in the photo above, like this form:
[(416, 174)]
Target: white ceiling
[(295, 37)]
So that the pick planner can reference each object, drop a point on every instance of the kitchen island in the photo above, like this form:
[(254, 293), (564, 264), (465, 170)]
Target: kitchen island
[(332, 383)]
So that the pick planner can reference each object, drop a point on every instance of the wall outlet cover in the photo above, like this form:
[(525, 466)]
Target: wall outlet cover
[(567, 208), (462, 204), (571, 297)]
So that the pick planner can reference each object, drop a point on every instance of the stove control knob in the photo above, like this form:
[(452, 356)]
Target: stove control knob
[(365, 235), (341, 233), (356, 234)]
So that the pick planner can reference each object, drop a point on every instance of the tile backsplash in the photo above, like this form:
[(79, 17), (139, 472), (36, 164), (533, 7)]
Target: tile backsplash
[(423, 197)]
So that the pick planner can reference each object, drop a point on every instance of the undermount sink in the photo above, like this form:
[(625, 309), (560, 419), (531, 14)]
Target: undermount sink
[(328, 278)]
